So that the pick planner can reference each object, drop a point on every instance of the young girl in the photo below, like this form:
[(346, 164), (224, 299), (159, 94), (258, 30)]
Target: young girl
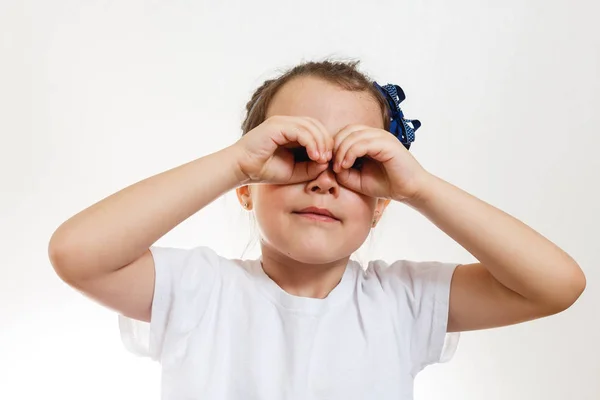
[(324, 150)]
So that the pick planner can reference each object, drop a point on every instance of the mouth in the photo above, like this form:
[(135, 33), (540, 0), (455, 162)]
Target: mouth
[(317, 214)]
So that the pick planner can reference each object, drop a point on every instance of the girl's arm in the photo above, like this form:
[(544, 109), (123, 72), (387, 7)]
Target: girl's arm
[(522, 275), (91, 250)]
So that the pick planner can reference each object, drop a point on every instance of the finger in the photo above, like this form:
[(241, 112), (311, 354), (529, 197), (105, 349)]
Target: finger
[(316, 128), (341, 136), (315, 136), (350, 149), (288, 128), (347, 130), (342, 158), (327, 139), (375, 148), (295, 131)]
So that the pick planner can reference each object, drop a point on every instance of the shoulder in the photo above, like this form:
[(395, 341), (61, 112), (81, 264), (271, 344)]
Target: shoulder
[(177, 255), (189, 265), (407, 270), (415, 278)]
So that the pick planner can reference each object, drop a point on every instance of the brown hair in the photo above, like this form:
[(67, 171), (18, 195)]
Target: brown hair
[(343, 74)]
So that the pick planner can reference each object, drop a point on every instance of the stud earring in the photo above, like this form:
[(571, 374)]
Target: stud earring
[(375, 218)]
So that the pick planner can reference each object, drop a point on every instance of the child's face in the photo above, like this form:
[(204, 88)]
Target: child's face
[(295, 236)]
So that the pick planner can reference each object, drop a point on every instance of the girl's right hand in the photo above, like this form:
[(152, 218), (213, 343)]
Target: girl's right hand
[(284, 150)]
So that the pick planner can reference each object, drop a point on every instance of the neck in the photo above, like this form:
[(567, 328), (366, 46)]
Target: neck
[(302, 279)]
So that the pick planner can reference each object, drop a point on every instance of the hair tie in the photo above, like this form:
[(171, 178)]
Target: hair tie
[(403, 129)]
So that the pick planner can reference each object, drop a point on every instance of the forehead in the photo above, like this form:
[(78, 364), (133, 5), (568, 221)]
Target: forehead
[(334, 106)]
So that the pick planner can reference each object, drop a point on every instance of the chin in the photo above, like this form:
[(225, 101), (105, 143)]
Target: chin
[(314, 247), (315, 258), (323, 253)]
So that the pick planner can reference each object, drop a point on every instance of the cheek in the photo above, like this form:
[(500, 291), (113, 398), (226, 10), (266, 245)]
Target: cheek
[(360, 207), (269, 203), (267, 197)]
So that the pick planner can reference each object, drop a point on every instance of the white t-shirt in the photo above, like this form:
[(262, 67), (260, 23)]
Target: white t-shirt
[(222, 329)]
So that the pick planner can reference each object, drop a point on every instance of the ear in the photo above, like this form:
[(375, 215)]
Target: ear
[(381, 205), (379, 209), (244, 197)]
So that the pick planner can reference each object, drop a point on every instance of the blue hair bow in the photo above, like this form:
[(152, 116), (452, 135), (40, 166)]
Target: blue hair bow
[(403, 129)]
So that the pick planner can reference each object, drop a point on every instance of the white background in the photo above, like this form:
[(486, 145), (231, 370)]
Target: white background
[(97, 95)]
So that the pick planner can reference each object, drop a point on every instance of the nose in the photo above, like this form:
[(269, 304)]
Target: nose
[(325, 182)]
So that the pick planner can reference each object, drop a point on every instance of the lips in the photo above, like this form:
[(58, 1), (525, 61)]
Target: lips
[(317, 211)]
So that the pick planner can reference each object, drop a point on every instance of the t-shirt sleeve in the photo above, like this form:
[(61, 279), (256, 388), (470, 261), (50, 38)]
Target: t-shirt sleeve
[(184, 279), (420, 293)]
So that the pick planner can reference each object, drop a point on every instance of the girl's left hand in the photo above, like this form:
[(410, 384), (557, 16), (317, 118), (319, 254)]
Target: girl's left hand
[(388, 171)]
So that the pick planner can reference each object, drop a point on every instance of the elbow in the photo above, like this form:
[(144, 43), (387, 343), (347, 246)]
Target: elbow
[(61, 256), (577, 285), (57, 256), (571, 288)]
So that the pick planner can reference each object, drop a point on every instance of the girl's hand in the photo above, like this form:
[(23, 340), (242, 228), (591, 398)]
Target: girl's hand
[(388, 170), (269, 152)]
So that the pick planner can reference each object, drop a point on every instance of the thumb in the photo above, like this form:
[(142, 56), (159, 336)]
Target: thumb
[(306, 171), (349, 178)]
